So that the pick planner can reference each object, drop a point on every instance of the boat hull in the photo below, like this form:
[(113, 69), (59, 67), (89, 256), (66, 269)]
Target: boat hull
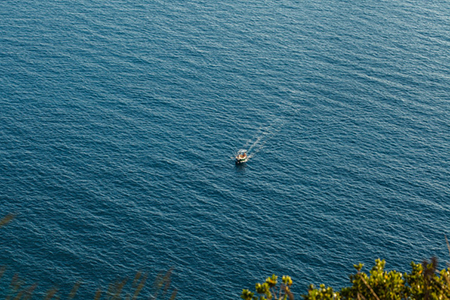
[(241, 160), (241, 156)]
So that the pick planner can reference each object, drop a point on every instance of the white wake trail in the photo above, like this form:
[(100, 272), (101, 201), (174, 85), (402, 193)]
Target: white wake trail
[(255, 143), (263, 135)]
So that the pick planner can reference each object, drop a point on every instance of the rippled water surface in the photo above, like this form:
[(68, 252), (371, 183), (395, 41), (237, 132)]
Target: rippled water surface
[(118, 121)]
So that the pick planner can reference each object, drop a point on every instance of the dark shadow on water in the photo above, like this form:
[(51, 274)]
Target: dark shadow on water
[(240, 168)]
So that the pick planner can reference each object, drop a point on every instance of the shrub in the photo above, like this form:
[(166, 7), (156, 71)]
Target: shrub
[(424, 282)]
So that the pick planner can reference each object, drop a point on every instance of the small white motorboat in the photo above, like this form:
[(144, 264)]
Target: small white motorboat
[(242, 156)]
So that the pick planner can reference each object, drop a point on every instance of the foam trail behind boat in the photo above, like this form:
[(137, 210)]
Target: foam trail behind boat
[(251, 141), (263, 135), (256, 147), (255, 143)]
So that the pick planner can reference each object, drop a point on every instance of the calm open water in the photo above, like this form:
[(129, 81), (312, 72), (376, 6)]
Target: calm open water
[(118, 121)]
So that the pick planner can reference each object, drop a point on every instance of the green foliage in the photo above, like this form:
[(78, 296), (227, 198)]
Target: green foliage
[(379, 284), (423, 282), (321, 293), (270, 290)]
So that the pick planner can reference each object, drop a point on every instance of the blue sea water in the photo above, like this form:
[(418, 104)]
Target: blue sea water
[(118, 121)]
